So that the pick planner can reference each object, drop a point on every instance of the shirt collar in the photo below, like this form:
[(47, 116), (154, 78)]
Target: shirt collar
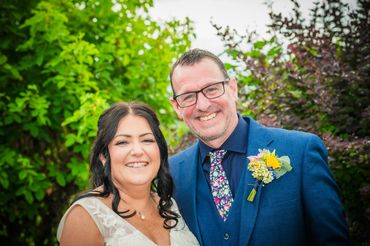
[(237, 141)]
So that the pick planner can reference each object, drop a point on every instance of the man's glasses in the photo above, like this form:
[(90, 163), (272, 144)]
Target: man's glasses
[(190, 98)]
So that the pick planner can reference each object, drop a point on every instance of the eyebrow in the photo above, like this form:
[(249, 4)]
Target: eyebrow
[(127, 135)]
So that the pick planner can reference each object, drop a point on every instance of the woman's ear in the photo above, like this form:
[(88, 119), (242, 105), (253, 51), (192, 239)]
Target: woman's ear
[(102, 158)]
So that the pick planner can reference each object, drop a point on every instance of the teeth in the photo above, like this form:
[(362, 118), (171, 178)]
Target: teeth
[(211, 116), (137, 164)]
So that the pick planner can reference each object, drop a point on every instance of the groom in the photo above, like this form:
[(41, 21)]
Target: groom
[(227, 199)]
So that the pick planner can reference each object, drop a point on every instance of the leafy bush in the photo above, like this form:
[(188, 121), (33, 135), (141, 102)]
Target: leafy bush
[(314, 76), (62, 62)]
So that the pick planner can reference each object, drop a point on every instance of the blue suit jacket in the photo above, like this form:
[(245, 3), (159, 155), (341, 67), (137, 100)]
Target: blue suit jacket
[(300, 208)]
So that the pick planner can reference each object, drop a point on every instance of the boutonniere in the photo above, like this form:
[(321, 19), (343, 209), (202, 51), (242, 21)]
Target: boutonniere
[(265, 167)]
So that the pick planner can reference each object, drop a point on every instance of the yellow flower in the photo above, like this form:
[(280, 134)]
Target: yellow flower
[(272, 161), (263, 167), (254, 165)]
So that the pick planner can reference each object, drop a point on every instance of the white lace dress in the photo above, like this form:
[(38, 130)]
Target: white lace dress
[(117, 231)]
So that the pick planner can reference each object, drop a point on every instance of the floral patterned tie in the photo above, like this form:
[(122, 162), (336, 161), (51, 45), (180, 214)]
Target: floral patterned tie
[(220, 188)]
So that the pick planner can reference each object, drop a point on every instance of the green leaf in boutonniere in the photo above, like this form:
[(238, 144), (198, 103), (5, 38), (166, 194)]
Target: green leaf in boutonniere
[(284, 166), (265, 167)]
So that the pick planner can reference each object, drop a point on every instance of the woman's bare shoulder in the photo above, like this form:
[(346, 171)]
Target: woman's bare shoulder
[(80, 228)]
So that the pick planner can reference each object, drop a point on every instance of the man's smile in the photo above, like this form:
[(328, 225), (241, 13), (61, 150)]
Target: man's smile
[(208, 117)]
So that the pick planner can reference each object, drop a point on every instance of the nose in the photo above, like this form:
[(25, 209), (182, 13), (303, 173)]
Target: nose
[(136, 149), (202, 102)]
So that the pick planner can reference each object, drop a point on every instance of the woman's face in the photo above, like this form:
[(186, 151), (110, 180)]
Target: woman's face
[(134, 153)]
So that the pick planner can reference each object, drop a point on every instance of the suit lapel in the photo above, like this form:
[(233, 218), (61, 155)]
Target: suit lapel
[(187, 191), (258, 138)]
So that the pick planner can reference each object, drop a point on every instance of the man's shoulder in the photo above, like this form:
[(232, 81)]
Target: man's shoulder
[(278, 130), (183, 161), (184, 154), (286, 135), (290, 133)]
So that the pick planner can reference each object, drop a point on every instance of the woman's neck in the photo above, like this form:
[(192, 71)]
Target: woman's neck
[(142, 201)]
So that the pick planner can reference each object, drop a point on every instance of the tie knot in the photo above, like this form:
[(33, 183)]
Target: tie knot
[(218, 154)]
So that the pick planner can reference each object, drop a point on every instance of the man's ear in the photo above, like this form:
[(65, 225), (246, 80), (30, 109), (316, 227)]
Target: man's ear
[(234, 87), (176, 107), (102, 158)]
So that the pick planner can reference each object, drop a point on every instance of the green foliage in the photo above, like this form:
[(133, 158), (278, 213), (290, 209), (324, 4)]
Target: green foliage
[(314, 76), (62, 62)]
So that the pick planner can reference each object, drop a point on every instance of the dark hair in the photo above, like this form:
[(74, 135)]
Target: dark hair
[(101, 174), (194, 56)]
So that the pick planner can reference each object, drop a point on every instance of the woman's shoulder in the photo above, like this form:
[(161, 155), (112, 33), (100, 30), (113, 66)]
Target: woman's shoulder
[(110, 226), (78, 221), (174, 204)]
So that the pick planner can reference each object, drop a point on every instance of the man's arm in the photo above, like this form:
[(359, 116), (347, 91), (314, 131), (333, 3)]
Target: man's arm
[(323, 210)]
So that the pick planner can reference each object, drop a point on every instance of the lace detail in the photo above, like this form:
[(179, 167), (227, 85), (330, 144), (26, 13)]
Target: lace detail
[(117, 231)]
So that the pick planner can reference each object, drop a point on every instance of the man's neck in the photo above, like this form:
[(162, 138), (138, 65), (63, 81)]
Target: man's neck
[(215, 144)]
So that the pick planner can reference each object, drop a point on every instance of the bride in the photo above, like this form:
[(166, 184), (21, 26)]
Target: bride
[(130, 201)]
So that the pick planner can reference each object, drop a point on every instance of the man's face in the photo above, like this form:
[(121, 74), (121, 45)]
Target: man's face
[(212, 120)]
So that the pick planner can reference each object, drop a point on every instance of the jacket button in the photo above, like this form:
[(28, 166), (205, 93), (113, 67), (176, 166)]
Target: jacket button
[(226, 236)]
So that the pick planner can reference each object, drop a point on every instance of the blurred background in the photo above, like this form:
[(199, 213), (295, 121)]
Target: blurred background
[(300, 65), (240, 15)]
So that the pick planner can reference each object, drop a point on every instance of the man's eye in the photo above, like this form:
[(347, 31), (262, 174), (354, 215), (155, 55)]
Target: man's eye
[(188, 97), (211, 90)]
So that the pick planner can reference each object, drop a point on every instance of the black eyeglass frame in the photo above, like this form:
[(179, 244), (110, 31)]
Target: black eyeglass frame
[(201, 90)]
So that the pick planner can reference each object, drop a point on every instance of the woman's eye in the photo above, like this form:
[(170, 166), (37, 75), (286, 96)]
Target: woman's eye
[(149, 140), (121, 142)]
